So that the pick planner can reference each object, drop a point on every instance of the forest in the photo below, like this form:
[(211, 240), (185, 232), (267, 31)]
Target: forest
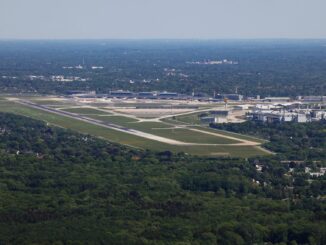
[(61, 187), (265, 67), (296, 141)]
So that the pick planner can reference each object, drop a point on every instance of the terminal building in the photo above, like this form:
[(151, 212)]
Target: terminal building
[(278, 116), (242, 107), (216, 117), (219, 113), (146, 95), (208, 119), (78, 93), (277, 99), (317, 115), (235, 97), (167, 95), (121, 94), (211, 119), (314, 99)]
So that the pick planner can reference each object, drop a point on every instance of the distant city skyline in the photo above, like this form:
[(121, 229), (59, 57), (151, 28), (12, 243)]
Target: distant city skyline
[(162, 19)]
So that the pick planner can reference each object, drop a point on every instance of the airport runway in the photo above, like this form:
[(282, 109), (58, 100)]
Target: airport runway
[(133, 131)]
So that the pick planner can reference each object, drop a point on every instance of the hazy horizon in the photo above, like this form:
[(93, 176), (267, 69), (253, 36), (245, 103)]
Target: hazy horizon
[(158, 19)]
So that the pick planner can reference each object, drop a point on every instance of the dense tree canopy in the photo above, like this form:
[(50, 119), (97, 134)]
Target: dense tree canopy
[(294, 140), (60, 187), (277, 68)]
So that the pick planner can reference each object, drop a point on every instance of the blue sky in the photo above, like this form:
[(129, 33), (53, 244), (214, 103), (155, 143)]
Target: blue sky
[(203, 19)]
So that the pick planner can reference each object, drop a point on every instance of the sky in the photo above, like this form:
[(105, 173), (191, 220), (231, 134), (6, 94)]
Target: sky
[(152, 19)]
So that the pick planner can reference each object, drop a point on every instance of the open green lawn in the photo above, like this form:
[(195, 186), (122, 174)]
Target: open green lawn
[(127, 139)]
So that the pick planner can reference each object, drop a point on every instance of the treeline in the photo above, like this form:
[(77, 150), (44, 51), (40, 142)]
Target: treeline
[(294, 141), (60, 187)]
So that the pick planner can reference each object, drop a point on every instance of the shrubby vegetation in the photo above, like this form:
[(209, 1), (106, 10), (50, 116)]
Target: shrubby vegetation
[(60, 187), (277, 68)]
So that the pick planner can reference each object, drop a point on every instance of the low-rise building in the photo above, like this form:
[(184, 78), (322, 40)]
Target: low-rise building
[(146, 95), (313, 99), (272, 116), (317, 115), (224, 113), (221, 119), (121, 94), (301, 118), (280, 116), (235, 97), (208, 119), (242, 107), (167, 95), (277, 99), (79, 93)]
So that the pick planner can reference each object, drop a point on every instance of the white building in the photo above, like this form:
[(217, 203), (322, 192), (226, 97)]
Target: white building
[(221, 119), (301, 118), (277, 99), (208, 119), (314, 99), (318, 115), (242, 107), (214, 119)]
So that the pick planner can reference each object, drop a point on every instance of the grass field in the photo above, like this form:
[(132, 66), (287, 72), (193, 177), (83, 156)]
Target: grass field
[(160, 129), (239, 136), (186, 135), (157, 128), (49, 102), (193, 121), (173, 121), (86, 111), (131, 122), (189, 119), (121, 120), (77, 125)]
